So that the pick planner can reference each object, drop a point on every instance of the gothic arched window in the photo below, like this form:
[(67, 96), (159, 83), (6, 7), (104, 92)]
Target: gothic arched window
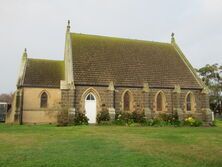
[(126, 101), (90, 97), (160, 101), (190, 102), (44, 100)]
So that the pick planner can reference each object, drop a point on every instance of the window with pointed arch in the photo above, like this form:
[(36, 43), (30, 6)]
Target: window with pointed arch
[(190, 102), (44, 100), (90, 97), (160, 101), (127, 101)]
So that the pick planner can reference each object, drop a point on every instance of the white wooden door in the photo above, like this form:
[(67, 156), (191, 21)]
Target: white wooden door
[(90, 108)]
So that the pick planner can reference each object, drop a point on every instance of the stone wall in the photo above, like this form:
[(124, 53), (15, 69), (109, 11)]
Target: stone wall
[(113, 100), (143, 100), (32, 113)]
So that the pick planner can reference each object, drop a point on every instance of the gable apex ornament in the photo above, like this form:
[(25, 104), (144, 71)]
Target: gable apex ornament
[(68, 26), (146, 88), (177, 89), (25, 55), (173, 37)]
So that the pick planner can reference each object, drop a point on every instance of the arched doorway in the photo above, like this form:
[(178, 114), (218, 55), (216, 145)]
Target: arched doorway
[(90, 108)]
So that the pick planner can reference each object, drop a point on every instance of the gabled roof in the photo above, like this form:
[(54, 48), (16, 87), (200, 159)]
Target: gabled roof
[(100, 60), (43, 73)]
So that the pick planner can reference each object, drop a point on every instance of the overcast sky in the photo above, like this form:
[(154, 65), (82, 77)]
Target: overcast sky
[(40, 27)]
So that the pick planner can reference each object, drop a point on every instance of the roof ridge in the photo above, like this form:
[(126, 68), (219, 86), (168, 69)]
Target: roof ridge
[(122, 38)]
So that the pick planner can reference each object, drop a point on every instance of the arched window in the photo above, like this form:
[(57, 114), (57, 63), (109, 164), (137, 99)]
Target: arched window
[(44, 100), (190, 102), (160, 101), (90, 97), (126, 101)]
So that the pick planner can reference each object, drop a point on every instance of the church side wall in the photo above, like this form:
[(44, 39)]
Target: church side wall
[(139, 100), (32, 113)]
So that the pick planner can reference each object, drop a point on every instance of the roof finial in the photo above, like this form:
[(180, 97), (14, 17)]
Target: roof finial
[(172, 38), (68, 26), (25, 55)]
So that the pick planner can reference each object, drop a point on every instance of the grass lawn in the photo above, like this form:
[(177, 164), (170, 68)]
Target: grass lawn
[(90, 146)]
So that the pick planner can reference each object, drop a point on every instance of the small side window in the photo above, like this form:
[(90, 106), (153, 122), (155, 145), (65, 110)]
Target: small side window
[(44, 100)]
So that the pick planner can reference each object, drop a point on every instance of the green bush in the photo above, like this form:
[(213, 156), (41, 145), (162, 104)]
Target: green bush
[(80, 119), (65, 119), (103, 116), (149, 122), (214, 123), (119, 122), (123, 118), (163, 120), (105, 123), (138, 117), (172, 119), (190, 121)]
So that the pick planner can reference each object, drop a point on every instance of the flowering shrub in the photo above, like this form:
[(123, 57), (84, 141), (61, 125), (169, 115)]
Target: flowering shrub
[(123, 118), (103, 116), (80, 119), (163, 120), (64, 118), (138, 117), (190, 121)]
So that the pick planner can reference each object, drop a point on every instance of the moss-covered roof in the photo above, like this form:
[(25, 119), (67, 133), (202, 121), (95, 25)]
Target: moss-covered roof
[(43, 73), (99, 60)]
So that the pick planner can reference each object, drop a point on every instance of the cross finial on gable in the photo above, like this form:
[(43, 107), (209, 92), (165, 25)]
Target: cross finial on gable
[(172, 38), (68, 26), (25, 54)]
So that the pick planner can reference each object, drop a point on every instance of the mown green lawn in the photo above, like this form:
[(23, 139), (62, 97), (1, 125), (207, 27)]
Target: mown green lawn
[(91, 146)]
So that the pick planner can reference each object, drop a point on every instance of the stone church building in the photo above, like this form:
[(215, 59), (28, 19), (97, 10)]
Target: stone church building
[(119, 74)]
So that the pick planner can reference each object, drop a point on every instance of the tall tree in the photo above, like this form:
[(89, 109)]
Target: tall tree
[(212, 76)]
